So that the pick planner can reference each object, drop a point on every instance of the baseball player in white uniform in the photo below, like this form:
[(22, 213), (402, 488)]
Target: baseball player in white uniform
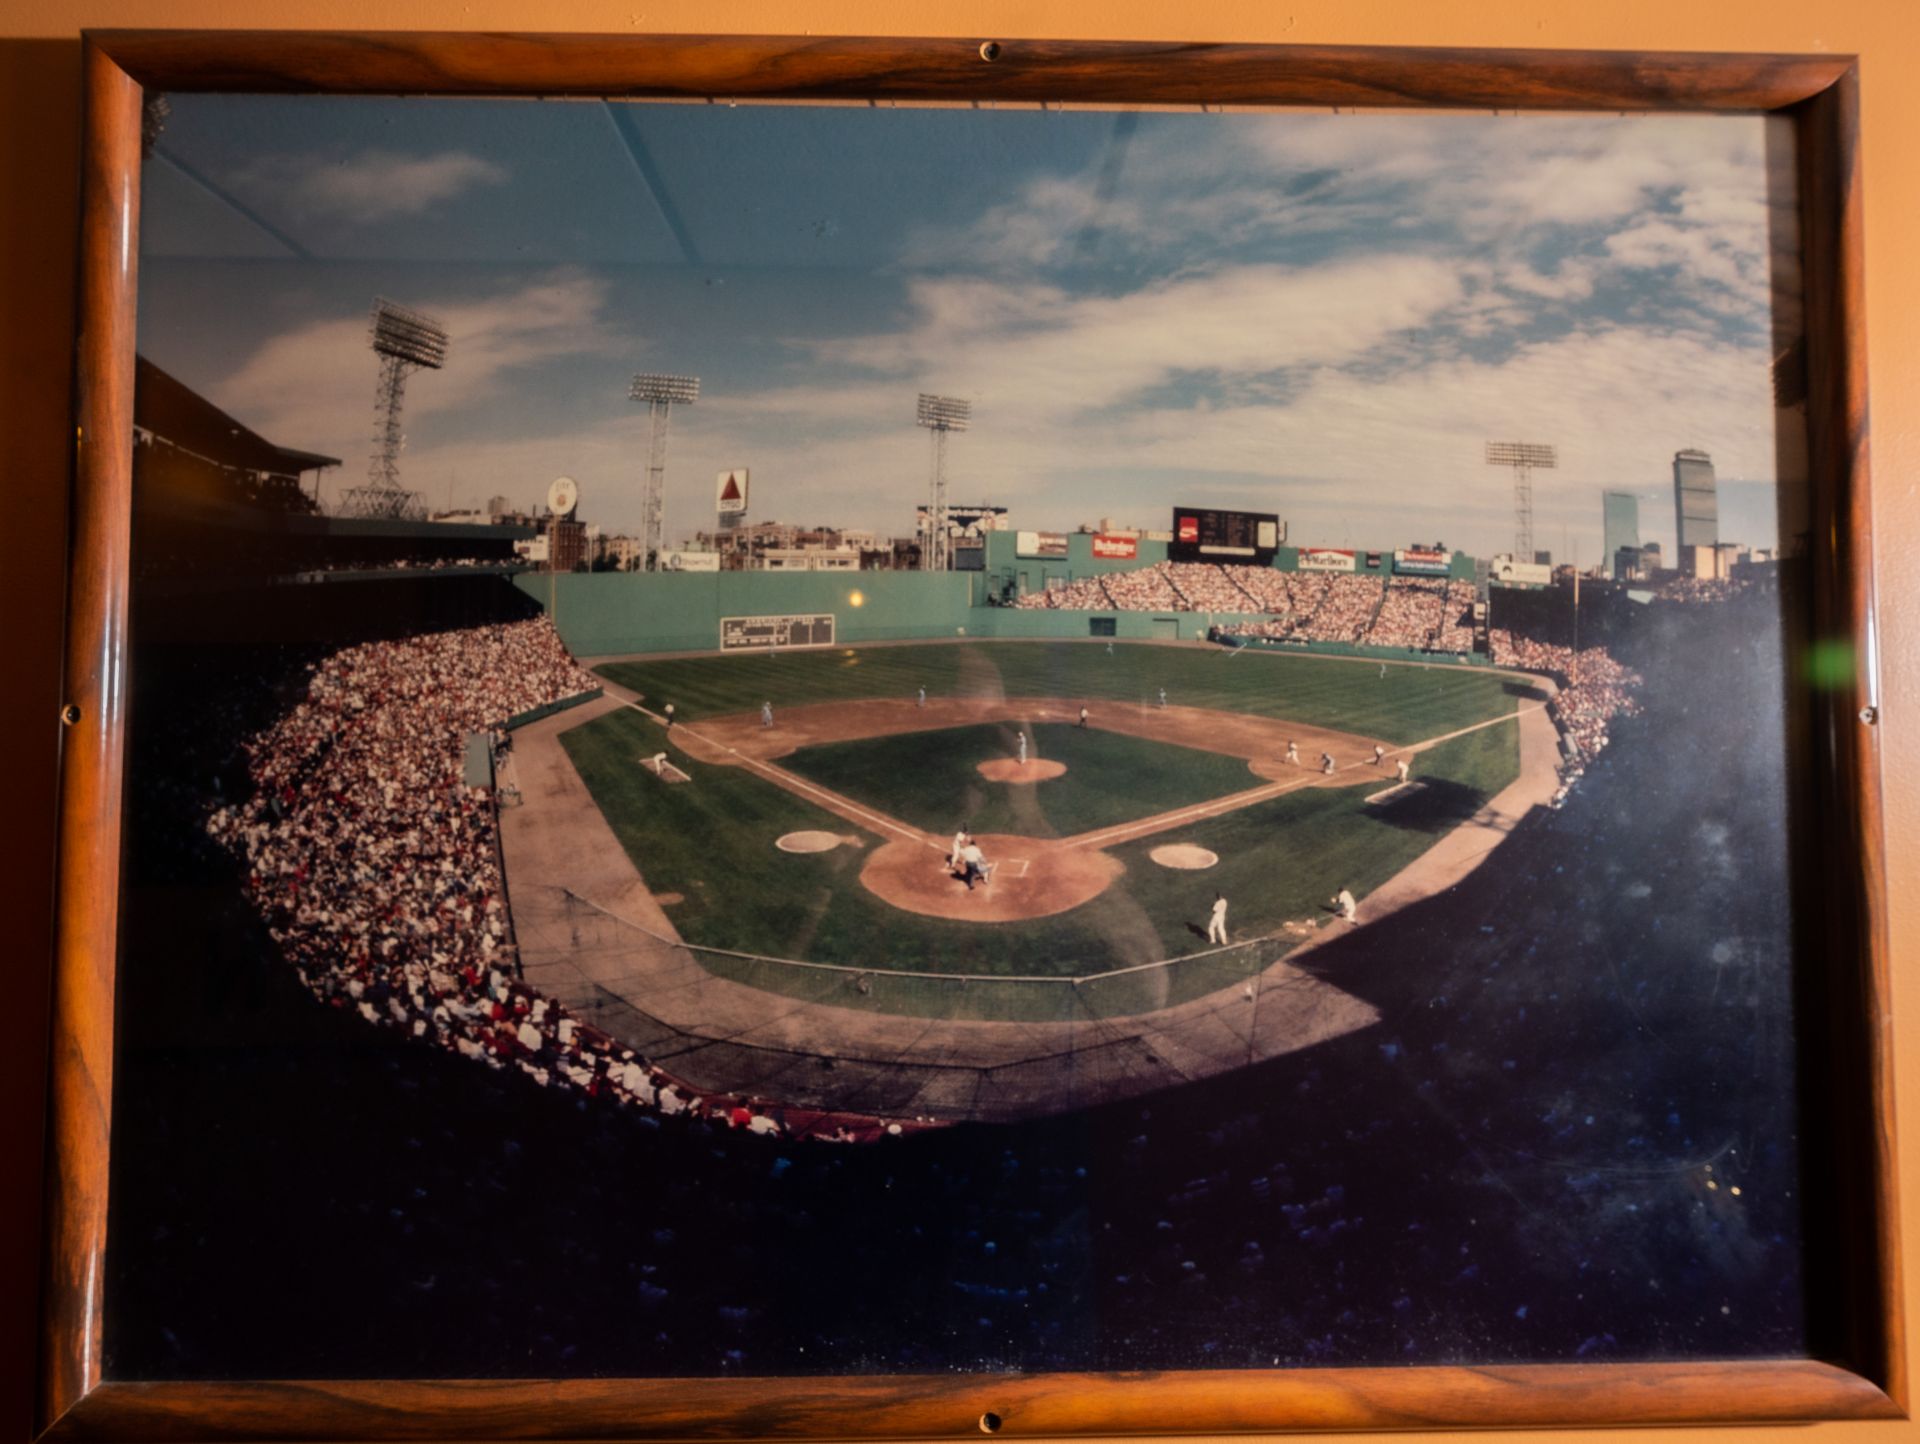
[(1378, 753), (1022, 744), (1344, 901), (1217, 924), (1402, 768), (923, 697), (766, 714), (1293, 752)]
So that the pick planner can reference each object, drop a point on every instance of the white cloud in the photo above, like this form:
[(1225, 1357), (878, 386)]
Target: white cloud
[(372, 185), (313, 387)]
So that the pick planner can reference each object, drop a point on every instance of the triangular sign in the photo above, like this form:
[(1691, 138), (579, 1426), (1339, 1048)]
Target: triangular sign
[(731, 491)]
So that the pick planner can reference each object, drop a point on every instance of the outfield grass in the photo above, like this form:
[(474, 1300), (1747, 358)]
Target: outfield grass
[(1399, 703), (930, 779), (712, 841)]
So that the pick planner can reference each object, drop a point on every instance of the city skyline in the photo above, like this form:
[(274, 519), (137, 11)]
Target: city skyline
[(1323, 316)]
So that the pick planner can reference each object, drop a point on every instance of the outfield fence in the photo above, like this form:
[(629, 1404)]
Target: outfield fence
[(1237, 970)]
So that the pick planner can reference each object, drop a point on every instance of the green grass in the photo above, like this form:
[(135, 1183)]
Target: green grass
[(1408, 704), (712, 841), (930, 779)]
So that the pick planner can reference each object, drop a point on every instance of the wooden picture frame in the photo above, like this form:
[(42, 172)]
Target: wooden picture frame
[(1859, 1368)]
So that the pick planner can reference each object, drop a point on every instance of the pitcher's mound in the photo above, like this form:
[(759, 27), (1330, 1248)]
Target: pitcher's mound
[(1012, 769), (808, 842), (1184, 856)]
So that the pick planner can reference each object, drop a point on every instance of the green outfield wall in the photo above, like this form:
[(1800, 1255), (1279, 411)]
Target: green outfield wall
[(604, 614), (611, 614)]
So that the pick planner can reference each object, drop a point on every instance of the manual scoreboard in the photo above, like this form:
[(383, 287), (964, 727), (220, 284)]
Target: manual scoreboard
[(748, 634), (1202, 535)]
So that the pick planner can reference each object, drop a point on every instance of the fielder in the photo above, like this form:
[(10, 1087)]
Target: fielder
[(1344, 901), (766, 714), (668, 709), (1402, 768), (923, 698), (1293, 752), (1163, 696), (1083, 719), (1217, 924), (1023, 749), (1326, 764), (1378, 753)]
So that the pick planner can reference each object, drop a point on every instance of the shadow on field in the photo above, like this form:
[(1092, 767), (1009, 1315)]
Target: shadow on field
[(1439, 806)]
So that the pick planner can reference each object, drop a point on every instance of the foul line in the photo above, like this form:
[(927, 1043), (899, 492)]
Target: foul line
[(830, 800), (1220, 806)]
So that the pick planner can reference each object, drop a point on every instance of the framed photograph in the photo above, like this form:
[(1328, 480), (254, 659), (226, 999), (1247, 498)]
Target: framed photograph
[(849, 738)]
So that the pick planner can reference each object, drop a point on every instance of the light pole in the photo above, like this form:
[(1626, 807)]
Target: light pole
[(1523, 457), (660, 393), (939, 414), (405, 340)]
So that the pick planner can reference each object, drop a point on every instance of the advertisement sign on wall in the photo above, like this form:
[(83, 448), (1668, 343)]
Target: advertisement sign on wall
[(1422, 562), (1325, 559), (1040, 544), (1116, 548), (685, 561), (1511, 573)]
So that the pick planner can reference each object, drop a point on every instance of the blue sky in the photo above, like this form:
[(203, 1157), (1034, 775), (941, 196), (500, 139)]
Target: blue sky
[(1320, 315)]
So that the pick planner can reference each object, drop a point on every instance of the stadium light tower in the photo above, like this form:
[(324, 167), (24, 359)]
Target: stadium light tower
[(1523, 457), (939, 414), (660, 393), (405, 341)]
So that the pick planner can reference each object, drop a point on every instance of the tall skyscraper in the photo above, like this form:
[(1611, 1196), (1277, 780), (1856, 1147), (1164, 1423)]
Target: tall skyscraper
[(1620, 526), (1696, 509)]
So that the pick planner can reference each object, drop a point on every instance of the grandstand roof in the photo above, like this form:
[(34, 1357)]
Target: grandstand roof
[(171, 409)]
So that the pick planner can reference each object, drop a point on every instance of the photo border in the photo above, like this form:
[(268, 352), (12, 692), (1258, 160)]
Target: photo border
[(1858, 1369)]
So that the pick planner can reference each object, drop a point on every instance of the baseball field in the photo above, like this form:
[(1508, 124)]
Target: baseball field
[(874, 757)]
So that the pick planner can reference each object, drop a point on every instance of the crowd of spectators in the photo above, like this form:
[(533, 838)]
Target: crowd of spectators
[(1700, 589), (1594, 689), (1082, 594), (1430, 614), (377, 870), (1346, 609), (406, 564), (1205, 587), (1145, 589)]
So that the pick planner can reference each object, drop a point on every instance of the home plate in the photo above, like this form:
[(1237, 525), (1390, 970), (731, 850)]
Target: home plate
[(808, 842), (1399, 789), (1184, 856)]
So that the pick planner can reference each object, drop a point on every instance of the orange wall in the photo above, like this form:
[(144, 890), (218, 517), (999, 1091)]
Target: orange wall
[(39, 99)]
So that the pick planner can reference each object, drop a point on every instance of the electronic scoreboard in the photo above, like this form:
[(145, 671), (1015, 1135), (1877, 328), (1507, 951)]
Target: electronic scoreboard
[(1202, 535)]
